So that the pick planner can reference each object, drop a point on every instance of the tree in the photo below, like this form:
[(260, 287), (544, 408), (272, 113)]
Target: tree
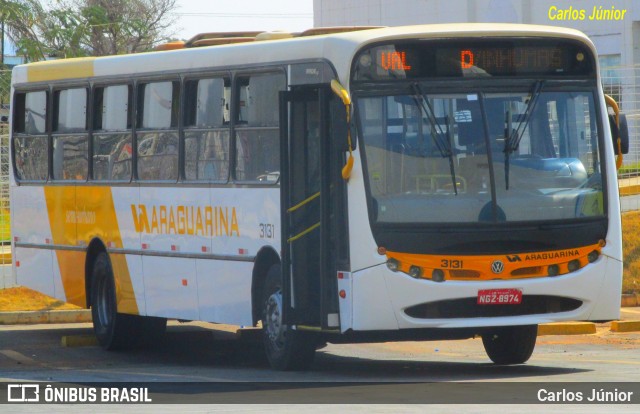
[(72, 28), (125, 26), (18, 17)]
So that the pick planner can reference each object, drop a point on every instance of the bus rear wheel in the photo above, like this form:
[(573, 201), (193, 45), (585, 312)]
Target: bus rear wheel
[(286, 349), (510, 344), (114, 330)]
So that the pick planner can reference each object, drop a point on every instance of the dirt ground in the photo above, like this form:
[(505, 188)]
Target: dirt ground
[(24, 299)]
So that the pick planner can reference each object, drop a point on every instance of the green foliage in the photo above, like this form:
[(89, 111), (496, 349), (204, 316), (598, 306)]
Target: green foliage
[(76, 28), (633, 168), (631, 252)]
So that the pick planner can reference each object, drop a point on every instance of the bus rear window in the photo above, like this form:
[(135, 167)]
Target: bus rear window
[(30, 142)]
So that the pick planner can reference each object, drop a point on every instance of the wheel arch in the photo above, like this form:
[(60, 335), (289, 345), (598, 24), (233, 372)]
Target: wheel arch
[(96, 246), (266, 257)]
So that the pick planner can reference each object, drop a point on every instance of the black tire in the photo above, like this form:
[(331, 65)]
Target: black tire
[(286, 349), (511, 344), (117, 331), (111, 328)]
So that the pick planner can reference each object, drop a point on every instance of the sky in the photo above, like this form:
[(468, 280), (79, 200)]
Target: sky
[(201, 16)]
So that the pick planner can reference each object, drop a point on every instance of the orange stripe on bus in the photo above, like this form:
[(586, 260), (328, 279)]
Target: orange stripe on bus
[(80, 214)]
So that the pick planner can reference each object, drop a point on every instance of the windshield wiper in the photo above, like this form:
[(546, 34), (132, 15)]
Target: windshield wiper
[(445, 148), (512, 140)]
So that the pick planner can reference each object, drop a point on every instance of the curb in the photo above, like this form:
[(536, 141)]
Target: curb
[(625, 326), (567, 328), (73, 341), (38, 317), (629, 190)]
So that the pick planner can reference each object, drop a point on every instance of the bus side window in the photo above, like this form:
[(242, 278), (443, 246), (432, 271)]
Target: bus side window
[(112, 148), (30, 141), (157, 132), (70, 136), (257, 137), (206, 134)]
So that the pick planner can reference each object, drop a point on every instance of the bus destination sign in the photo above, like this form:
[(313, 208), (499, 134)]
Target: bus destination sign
[(473, 59)]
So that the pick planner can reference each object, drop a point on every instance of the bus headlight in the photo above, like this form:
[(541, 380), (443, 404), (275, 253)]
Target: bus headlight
[(393, 265), (437, 275), (574, 265), (553, 270), (593, 256), (415, 272)]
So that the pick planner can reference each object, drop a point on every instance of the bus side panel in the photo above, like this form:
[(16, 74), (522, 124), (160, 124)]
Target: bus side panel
[(224, 291), (175, 220), (170, 286), (33, 267), (68, 276), (127, 270), (30, 224), (34, 270), (118, 205)]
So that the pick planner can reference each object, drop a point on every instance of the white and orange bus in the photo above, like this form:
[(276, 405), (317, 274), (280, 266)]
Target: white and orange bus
[(404, 183)]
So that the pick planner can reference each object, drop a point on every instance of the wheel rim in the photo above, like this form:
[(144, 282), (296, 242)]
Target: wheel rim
[(104, 303), (273, 320)]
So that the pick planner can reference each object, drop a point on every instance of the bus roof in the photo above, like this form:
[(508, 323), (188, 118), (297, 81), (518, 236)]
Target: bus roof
[(338, 48)]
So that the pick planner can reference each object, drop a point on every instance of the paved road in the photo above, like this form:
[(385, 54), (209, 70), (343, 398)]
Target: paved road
[(196, 352)]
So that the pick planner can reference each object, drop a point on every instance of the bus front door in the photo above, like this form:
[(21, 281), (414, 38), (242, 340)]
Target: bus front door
[(311, 194)]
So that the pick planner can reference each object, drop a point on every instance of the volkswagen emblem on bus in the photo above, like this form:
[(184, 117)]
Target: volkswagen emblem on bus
[(497, 266)]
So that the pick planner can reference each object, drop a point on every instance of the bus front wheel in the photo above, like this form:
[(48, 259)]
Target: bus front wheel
[(286, 349), (510, 344)]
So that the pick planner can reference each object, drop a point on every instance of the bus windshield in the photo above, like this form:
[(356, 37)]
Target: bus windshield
[(508, 154)]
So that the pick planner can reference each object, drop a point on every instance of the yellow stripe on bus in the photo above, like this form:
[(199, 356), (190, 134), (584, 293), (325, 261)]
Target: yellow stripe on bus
[(60, 69), (77, 215)]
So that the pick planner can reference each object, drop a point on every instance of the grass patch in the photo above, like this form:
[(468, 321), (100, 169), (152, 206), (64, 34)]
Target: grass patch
[(5, 225), (24, 299)]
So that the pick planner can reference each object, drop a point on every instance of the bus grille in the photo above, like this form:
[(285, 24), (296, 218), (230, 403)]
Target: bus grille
[(468, 308)]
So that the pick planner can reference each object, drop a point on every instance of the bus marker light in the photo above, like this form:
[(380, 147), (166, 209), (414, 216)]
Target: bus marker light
[(602, 243), (145, 246), (243, 251), (382, 251), (16, 239), (393, 265), (574, 265), (415, 272), (437, 275), (47, 241), (175, 248), (18, 263), (343, 294), (205, 249), (185, 282), (593, 256), (553, 270)]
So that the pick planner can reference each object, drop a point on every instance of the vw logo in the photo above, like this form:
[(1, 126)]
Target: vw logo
[(497, 266)]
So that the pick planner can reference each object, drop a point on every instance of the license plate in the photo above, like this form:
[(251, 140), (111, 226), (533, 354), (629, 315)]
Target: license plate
[(500, 297)]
